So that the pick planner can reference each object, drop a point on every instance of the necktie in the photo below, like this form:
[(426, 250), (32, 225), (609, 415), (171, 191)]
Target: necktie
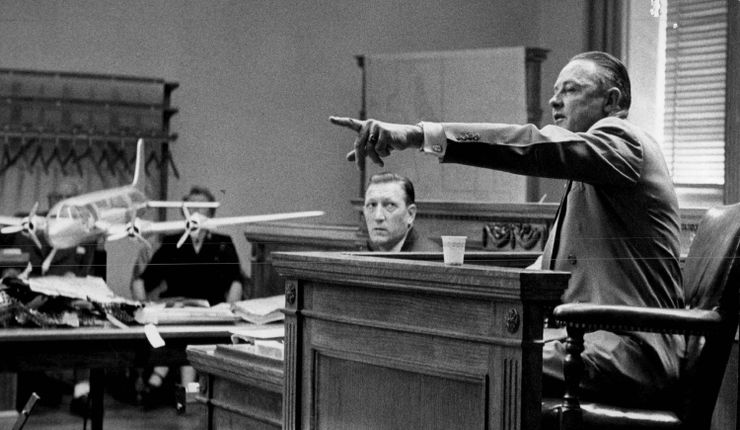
[(559, 215)]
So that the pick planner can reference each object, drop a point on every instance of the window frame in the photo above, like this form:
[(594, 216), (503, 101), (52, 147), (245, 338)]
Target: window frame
[(732, 106), (699, 195)]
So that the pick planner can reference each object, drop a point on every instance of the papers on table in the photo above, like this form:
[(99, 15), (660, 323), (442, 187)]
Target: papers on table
[(261, 311), (265, 352), (256, 311), (263, 340), (248, 333), (90, 288), (159, 313)]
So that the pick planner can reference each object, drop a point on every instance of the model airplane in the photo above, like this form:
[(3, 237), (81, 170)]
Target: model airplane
[(114, 213)]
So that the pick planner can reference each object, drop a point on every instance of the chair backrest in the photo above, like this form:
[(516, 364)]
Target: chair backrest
[(711, 281)]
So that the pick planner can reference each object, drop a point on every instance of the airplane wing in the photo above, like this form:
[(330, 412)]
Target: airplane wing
[(248, 219), (163, 227), (179, 204), (212, 223)]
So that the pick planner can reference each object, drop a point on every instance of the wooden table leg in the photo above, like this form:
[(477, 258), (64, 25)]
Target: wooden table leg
[(8, 394), (97, 389)]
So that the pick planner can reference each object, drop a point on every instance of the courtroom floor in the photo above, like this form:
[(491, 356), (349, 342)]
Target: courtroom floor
[(118, 416)]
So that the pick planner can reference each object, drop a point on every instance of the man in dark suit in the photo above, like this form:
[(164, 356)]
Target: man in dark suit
[(206, 266), (390, 211), (617, 229)]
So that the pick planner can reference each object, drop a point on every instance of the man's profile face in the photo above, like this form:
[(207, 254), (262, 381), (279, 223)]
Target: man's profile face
[(578, 100), (387, 216)]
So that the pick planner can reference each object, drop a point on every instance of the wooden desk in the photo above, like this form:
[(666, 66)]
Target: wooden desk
[(388, 341), (240, 389), (28, 349)]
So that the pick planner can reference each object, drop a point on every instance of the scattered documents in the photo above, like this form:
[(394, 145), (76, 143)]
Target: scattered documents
[(261, 311), (90, 288), (66, 301)]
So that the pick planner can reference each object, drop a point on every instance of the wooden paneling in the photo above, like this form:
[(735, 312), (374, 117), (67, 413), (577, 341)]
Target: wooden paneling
[(387, 341), (476, 220), (488, 226), (239, 389), (437, 402)]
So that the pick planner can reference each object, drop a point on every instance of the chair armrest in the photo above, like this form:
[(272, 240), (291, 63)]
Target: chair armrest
[(629, 318)]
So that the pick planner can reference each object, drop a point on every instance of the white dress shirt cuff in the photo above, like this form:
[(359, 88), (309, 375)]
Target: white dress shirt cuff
[(435, 141)]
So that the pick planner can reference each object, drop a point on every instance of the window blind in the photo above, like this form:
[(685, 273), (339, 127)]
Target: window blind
[(695, 82)]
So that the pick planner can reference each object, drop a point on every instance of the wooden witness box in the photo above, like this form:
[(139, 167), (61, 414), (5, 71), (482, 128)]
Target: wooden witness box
[(388, 341)]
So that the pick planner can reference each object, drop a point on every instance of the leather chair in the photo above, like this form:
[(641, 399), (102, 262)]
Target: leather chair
[(709, 324)]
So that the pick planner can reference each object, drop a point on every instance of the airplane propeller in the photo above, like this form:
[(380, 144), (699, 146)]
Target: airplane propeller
[(28, 226), (132, 230), (192, 225)]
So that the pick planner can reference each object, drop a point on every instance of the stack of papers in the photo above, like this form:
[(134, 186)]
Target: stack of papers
[(270, 352), (249, 333), (160, 314), (261, 311)]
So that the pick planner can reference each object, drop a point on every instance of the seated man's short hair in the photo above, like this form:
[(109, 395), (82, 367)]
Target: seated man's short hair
[(389, 177)]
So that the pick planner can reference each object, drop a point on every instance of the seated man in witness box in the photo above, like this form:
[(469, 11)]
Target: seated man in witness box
[(206, 267), (389, 211)]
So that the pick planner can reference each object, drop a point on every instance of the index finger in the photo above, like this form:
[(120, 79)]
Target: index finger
[(351, 123)]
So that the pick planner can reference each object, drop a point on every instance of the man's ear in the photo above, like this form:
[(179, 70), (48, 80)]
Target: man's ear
[(612, 99), (412, 213)]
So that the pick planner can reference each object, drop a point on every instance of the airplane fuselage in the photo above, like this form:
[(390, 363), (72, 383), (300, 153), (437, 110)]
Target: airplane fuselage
[(83, 218), (115, 213)]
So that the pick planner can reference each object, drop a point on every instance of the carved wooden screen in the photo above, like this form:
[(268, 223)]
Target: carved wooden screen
[(81, 127)]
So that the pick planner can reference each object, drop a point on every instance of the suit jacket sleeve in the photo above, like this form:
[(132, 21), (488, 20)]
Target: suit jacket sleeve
[(606, 154)]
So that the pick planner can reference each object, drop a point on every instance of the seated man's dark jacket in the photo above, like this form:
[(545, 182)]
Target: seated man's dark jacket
[(414, 242), (205, 275)]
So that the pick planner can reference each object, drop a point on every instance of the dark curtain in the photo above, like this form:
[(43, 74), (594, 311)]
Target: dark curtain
[(604, 32)]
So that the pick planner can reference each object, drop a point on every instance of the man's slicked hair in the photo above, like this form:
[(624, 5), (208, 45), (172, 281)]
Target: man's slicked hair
[(406, 185), (614, 74)]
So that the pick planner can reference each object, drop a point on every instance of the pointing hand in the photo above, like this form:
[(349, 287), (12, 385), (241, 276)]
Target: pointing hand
[(376, 139)]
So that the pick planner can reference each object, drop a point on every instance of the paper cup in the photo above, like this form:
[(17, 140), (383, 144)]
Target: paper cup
[(453, 249)]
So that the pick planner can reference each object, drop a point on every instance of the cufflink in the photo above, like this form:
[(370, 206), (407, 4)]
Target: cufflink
[(437, 148)]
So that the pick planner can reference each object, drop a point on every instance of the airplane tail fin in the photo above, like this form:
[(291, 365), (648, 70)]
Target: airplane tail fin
[(140, 169)]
